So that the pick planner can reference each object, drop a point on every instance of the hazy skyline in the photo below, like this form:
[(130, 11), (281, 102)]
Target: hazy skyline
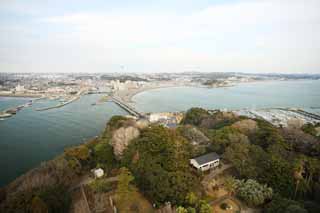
[(255, 36)]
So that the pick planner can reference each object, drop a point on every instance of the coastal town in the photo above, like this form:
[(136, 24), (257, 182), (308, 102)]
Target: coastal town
[(160, 106), (67, 88)]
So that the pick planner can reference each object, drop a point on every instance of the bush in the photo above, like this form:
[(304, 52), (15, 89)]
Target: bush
[(252, 192), (101, 186), (79, 152)]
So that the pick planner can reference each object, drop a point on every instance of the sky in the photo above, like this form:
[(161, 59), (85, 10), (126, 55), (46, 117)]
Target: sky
[(254, 36)]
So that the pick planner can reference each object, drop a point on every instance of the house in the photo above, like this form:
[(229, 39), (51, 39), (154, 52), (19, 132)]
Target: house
[(98, 173), (206, 162)]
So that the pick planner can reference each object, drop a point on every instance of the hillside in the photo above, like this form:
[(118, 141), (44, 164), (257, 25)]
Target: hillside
[(146, 169)]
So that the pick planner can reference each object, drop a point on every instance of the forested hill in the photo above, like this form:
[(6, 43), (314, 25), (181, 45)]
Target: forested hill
[(146, 169)]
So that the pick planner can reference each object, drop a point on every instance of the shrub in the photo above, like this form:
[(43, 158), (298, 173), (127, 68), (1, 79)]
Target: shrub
[(252, 192), (101, 186)]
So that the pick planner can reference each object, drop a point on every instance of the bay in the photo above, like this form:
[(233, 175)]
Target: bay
[(302, 94), (30, 137)]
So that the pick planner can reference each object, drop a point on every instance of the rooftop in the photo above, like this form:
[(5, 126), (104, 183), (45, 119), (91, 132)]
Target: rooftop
[(212, 156)]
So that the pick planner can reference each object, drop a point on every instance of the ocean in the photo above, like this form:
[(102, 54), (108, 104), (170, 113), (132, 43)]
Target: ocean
[(31, 137)]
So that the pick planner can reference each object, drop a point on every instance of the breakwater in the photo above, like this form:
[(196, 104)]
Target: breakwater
[(59, 105)]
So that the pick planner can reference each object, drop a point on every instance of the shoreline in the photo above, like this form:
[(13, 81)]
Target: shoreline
[(20, 95), (128, 95)]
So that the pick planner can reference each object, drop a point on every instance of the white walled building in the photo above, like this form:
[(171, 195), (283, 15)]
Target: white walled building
[(206, 162)]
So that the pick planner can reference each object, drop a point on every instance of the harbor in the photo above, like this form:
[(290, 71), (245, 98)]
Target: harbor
[(281, 117)]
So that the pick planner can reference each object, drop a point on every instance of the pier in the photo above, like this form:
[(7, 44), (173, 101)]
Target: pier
[(59, 105), (126, 107)]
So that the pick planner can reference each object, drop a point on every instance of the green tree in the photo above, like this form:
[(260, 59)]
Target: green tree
[(124, 190), (194, 116), (181, 209), (191, 199), (295, 209), (79, 152), (204, 207), (57, 198), (103, 155), (101, 185), (222, 138), (161, 165), (311, 129), (230, 185), (267, 135), (191, 210), (252, 192), (280, 205)]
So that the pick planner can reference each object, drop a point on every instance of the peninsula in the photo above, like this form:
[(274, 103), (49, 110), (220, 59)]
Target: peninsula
[(158, 163)]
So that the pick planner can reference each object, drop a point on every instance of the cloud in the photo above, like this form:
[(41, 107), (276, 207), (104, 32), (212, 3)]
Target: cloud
[(254, 36)]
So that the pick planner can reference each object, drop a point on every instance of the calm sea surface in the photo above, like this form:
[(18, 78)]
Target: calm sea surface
[(31, 137), (303, 94)]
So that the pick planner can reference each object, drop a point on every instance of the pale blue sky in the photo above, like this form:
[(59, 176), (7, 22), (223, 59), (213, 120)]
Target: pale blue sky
[(160, 36)]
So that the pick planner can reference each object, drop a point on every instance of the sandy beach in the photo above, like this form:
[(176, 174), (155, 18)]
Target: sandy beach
[(127, 95)]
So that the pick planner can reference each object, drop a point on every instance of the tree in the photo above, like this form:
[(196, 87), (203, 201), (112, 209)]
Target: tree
[(101, 185), (191, 199), (267, 135), (159, 160), (252, 192), (222, 138), (79, 152), (181, 209), (57, 198), (124, 191), (194, 116), (204, 207), (311, 129), (191, 210), (103, 154), (230, 185), (295, 209), (249, 160), (280, 205)]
